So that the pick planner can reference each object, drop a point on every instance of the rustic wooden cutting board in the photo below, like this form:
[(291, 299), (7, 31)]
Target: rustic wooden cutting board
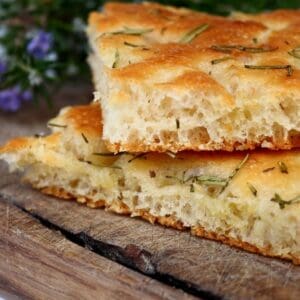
[(163, 257)]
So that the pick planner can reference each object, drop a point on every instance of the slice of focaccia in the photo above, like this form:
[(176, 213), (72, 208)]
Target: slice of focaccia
[(175, 79), (249, 200)]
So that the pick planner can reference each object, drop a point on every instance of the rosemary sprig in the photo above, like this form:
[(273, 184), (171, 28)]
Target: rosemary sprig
[(252, 189), (202, 180), (174, 177), (282, 203), (219, 60), (84, 138), (235, 171), (111, 167), (133, 31), (57, 125), (90, 163), (210, 180), (268, 169), (191, 35), (270, 67), (117, 59), (141, 155), (135, 46), (282, 167), (192, 188), (229, 48), (295, 52), (109, 154), (131, 45)]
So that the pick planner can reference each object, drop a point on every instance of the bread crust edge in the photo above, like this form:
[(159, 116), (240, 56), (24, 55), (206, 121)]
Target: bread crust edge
[(225, 146), (120, 207)]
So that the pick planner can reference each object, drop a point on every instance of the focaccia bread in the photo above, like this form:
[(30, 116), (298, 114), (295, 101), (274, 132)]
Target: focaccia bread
[(173, 79), (249, 200)]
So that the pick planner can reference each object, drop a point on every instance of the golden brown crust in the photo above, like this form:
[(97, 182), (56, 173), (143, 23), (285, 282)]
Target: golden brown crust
[(170, 221), (57, 192), (267, 251), (15, 145), (294, 142), (20, 143), (166, 51), (85, 118)]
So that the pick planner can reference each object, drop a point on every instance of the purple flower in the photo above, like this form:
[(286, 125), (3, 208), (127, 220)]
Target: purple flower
[(26, 96), (11, 99), (40, 45)]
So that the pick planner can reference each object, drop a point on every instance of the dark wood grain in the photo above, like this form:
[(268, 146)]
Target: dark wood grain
[(205, 268), (39, 263), (206, 265)]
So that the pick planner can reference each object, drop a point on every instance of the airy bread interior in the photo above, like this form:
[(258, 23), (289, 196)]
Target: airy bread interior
[(158, 93), (246, 199)]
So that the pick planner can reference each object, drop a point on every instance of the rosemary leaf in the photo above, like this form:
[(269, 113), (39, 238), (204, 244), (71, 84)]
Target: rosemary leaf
[(174, 177), (282, 167), (141, 155), (135, 46), (219, 60), (270, 67), (57, 125), (210, 180), (117, 59), (282, 203), (131, 45), (191, 35), (295, 52), (177, 123), (229, 48), (221, 48), (252, 189), (90, 163), (108, 167), (84, 138), (112, 167), (111, 154), (85, 161), (133, 31), (268, 169), (192, 188), (235, 171)]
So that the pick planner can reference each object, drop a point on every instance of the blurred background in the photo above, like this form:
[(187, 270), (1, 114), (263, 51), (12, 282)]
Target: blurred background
[(43, 45)]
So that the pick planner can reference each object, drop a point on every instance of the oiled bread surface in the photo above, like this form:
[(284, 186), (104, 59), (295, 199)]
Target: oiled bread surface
[(233, 86)]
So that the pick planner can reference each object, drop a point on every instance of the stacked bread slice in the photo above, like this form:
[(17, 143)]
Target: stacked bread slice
[(176, 91), (172, 79)]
